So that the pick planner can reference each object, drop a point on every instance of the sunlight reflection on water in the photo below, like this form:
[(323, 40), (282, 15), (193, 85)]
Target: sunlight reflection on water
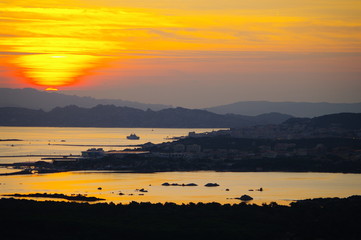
[(278, 186), (66, 141)]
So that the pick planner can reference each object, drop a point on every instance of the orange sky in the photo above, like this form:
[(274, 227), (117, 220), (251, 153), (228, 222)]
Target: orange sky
[(158, 51)]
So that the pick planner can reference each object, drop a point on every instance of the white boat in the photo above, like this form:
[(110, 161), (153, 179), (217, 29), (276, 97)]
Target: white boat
[(133, 137)]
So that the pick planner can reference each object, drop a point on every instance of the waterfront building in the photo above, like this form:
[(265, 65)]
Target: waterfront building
[(93, 153)]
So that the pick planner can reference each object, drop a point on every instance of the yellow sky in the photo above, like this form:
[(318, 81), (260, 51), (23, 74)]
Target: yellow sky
[(45, 40)]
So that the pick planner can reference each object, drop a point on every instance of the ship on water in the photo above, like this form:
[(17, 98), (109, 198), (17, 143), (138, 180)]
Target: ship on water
[(133, 136)]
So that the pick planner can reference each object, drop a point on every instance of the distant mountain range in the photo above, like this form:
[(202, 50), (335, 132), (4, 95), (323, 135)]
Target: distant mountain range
[(297, 109), (113, 116), (34, 99)]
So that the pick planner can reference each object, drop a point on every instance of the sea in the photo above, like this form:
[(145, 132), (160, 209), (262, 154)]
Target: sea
[(29, 144)]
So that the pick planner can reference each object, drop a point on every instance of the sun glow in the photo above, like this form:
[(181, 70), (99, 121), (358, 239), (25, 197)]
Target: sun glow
[(54, 71), (57, 46), (51, 89)]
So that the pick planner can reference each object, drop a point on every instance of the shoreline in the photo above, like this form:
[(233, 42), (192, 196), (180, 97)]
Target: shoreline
[(82, 199), (37, 171), (72, 197)]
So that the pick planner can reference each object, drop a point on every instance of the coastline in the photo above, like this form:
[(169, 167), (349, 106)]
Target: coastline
[(73, 197), (31, 171)]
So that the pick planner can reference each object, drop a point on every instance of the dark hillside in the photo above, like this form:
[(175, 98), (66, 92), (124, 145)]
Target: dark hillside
[(34, 99), (112, 116), (331, 218), (349, 121)]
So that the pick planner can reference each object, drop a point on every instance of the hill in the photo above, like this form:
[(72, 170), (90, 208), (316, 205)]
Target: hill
[(34, 99), (112, 116), (351, 121), (298, 109), (323, 218)]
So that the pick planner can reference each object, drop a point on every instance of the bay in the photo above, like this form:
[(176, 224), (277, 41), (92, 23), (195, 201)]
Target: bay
[(281, 187), (66, 141)]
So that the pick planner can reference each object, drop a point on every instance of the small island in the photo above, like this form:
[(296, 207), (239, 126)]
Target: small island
[(178, 184), (73, 197), (211, 185), (10, 140), (245, 198)]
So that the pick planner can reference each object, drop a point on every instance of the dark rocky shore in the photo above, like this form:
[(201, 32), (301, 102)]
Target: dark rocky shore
[(73, 197)]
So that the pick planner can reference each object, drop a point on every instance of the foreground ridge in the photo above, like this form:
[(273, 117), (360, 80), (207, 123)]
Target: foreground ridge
[(327, 218)]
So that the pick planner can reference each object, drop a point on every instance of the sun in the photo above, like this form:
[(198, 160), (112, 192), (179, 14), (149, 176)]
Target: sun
[(52, 71), (50, 89)]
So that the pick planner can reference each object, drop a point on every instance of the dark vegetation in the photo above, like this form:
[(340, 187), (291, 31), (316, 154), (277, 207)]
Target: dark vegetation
[(112, 116), (329, 218), (280, 164)]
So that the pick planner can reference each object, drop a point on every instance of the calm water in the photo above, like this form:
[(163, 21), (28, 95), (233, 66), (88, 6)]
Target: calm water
[(65, 141), (278, 186)]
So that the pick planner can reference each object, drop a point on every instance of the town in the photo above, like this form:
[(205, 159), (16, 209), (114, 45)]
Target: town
[(333, 148)]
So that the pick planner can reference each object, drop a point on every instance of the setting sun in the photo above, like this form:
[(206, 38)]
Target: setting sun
[(53, 71), (51, 89)]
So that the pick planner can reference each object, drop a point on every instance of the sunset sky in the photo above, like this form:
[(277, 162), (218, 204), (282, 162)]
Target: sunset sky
[(197, 53)]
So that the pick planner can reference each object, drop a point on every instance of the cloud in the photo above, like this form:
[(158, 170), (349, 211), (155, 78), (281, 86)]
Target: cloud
[(171, 35), (249, 55), (255, 36), (8, 35), (17, 53), (335, 28)]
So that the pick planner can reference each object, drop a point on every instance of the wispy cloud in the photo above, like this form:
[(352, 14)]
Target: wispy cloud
[(16, 53)]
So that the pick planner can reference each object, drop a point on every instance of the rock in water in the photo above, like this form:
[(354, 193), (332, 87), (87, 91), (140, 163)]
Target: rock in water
[(246, 198), (211, 185)]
